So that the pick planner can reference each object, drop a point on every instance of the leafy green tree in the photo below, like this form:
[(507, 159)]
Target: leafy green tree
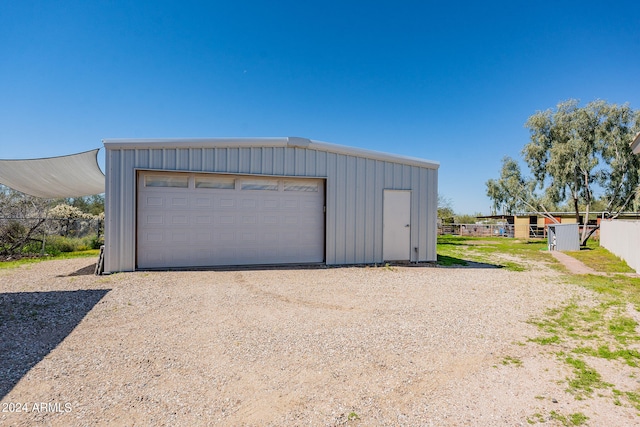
[(512, 192), (22, 218), (621, 180), (574, 151), (445, 209), (468, 219)]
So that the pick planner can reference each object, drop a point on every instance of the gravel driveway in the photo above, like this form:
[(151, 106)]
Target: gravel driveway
[(330, 346)]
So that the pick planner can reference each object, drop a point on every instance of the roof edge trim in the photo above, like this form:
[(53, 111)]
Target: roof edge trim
[(163, 143)]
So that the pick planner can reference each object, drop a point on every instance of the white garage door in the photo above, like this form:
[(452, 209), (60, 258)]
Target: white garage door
[(190, 220)]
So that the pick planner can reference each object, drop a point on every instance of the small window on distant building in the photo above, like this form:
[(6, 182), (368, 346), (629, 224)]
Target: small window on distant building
[(176, 181), (262, 184), (301, 186), (217, 182)]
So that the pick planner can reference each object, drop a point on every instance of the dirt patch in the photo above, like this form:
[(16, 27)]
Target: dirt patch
[(339, 346)]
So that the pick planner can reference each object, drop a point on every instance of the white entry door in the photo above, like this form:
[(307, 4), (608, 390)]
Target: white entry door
[(396, 225)]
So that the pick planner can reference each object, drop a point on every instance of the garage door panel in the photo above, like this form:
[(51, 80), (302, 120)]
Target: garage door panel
[(225, 220), (154, 201), (262, 224)]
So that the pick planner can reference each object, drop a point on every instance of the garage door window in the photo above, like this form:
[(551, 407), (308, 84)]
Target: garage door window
[(175, 181), (263, 184), (217, 182), (301, 186)]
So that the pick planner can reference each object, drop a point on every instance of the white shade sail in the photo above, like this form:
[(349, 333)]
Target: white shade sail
[(74, 175)]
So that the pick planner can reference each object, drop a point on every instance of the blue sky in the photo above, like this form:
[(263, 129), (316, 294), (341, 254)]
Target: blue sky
[(447, 81)]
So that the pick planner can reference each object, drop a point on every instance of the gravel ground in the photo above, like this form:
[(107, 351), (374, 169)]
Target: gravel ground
[(354, 346)]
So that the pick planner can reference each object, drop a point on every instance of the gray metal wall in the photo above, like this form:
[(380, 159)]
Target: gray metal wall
[(567, 237), (622, 238), (353, 195)]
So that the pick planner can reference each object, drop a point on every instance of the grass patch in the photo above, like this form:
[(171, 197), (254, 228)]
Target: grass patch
[(585, 379), (459, 250), (64, 255), (508, 360), (600, 259), (575, 419)]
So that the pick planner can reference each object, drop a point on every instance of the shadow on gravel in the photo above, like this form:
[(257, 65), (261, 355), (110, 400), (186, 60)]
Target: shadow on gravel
[(89, 270), (449, 261), (34, 323)]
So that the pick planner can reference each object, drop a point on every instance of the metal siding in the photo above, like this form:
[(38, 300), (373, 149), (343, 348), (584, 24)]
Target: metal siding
[(350, 211), (111, 263), (321, 163), (354, 188), (360, 212), (233, 160), (397, 176), (567, 236), (341, 209), (310, 162), (431, 213), (257, 154), (155, 157), (289, 161), (183, 159), (369, 210), (142, 158), (416, 231), (380, 185), (421, 194), (300, 163), (332, 173), (244, 160), (278, 161), (406, 176), (169, 159), (622, 237)]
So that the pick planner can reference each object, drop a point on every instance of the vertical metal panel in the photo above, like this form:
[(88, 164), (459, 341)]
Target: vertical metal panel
[(256, 160), (564, 237), (380, 185), (169, 158), (289, 161), (278, 161), (354, 188), (332, 171), (397, 176), (622, 238), (300, 167), (143, 158), (155, 158), (112, 166), (349, 204), (360, 213), (267, 160), (183, 156), (416, 223), (321, 163), (431, 213), (244, 160), (341, 209), (310, 162), (369, 210)]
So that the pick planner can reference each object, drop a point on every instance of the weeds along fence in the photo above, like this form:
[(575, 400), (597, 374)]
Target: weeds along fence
[(477, 230), (33, 235)]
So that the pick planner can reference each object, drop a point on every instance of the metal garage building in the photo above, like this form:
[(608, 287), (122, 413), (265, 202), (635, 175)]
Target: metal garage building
[(174, 203)]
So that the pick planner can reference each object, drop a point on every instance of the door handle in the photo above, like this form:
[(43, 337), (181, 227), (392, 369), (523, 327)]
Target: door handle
[(407, 225)]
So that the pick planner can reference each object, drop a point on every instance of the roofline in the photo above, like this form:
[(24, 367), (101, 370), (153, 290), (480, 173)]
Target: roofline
[(291, 142), (635, 144)]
